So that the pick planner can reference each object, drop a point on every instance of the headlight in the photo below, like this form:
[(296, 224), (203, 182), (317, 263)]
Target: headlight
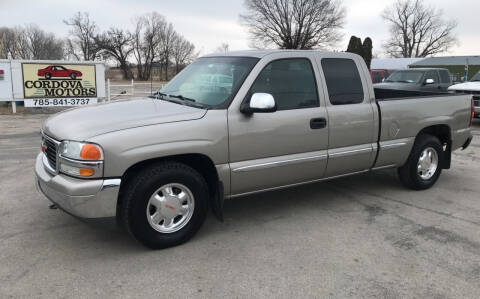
[(80, 151), (80, 159)]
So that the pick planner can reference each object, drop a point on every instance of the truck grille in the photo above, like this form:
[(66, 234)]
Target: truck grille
[(476, 101), (50, 151)]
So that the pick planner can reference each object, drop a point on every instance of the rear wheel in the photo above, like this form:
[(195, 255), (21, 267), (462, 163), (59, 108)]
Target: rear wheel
[(424, 164), (73, 76), (165, 204)]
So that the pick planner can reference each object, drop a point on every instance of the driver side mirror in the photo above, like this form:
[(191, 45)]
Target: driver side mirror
[(259, 103), (429, 81)]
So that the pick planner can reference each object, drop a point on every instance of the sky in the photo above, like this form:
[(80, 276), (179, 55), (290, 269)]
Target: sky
[(209, 23)]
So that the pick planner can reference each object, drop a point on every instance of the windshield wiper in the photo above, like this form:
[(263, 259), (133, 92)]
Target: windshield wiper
[(188, 101), (158, 94), (183, 100), (179, 96)]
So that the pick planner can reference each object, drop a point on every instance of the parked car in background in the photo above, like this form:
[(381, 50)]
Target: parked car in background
[(58, 71), (472, 87), (425, 79), (291, 117), (379, 75)]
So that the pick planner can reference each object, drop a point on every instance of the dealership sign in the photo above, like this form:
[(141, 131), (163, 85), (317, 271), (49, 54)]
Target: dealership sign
[(40, 83), (59, 84)]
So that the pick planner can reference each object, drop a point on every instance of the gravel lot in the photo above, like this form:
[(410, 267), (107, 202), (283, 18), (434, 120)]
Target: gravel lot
[(363, 236)]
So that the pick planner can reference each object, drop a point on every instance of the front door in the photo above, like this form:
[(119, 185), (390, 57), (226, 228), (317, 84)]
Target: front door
[(435, 86), (289, 146)]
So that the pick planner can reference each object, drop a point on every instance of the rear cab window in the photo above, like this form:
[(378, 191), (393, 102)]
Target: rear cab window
[(343, 80)]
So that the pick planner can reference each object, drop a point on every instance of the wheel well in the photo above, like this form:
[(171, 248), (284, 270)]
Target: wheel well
[(443, 133), (201, 163)]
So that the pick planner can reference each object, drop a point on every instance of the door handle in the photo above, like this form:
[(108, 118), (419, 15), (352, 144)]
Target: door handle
[(318, 123)]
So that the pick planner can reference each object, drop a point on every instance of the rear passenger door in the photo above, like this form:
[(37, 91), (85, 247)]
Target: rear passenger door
[(352, 115)]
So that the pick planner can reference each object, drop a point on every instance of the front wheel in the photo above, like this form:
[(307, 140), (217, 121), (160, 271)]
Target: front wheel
[(424, 164), (165, 204)]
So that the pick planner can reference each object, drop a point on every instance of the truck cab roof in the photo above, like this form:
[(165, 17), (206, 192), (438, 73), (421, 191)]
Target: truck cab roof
[(263, 53)]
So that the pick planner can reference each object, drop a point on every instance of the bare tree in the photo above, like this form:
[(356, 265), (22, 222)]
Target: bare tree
[(3, 53), (417, 30), (168, 37), (294, 24), (117, 44), (81, 44), (223, 48), (30, 42), (42, 45), (146, 40), (183, 52), (11, 43)]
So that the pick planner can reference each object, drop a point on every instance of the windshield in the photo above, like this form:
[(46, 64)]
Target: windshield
[(210, 81), (476, 77), (405, 77)]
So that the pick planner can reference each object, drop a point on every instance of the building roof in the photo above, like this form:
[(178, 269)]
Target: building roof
[(392, 63), (448, 60)]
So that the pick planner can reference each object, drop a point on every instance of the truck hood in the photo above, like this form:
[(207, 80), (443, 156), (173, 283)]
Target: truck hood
[(86, 122), (467, 86), (397, 86)]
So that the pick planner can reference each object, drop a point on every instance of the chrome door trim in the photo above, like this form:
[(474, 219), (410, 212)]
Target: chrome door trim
[(393, 145), (348, 152), (279, 163)]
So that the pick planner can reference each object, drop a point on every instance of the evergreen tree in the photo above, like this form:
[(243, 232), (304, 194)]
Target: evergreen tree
[(355, 46), (367, 51)]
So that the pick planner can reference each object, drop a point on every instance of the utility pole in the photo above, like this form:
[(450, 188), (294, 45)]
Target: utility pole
[(466, 70)]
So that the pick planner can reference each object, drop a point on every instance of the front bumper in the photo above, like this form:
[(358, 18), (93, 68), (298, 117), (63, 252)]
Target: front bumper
[(94, 200)]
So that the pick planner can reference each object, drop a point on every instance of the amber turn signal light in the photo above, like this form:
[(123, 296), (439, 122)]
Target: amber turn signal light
[(85, 171), (90, 152)]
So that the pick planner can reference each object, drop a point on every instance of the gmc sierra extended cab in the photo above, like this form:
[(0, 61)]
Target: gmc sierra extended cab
[(156, 165)]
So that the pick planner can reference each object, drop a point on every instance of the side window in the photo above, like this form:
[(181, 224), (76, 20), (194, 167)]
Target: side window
[(445, 76), (432, 75), (291, 82), (343, 81)]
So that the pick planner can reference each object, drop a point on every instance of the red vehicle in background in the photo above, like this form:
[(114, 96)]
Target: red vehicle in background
[(379, 75), (58, 71)]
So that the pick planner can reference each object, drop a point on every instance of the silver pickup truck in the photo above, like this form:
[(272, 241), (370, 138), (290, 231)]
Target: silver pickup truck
[(278, 119)]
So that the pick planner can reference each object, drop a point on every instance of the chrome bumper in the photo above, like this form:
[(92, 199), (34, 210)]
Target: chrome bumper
[(90, 199)]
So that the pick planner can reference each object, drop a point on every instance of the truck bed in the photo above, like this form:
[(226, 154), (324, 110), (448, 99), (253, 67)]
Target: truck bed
[(402, 117)]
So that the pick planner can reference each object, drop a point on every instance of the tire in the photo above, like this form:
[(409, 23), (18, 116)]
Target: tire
[(413, 175), (73, 76), (48, 76), (140, 196)]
